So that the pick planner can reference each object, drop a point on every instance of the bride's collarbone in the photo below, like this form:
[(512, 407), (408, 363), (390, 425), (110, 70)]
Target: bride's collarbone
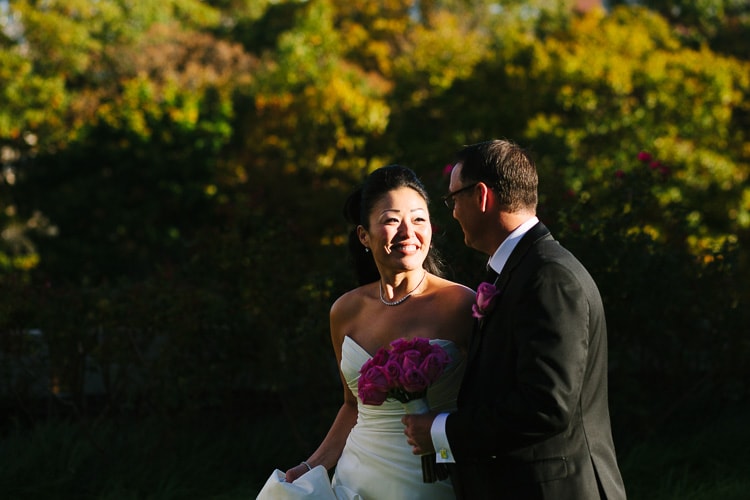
[(406, 320), (375, 335)]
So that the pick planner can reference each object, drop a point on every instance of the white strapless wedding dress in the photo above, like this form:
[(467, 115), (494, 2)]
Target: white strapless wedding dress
[(377, 463)]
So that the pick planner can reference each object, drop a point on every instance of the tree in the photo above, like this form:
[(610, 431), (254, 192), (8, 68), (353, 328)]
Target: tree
[(174, 171), (683, 105), (723, 25)]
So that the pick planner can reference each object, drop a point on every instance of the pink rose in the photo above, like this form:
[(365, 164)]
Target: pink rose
[(423, 346), (372, 384), (486, 293), (399, 346), (411, 359), (392, 370), (413, 380), (371, 395), (644, 156), (380, 358), (376, 377), (433, 365)]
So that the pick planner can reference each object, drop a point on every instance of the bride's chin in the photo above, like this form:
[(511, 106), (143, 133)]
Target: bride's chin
[(414, 265)]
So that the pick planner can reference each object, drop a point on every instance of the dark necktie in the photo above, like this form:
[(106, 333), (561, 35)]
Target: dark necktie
[(491, 275)]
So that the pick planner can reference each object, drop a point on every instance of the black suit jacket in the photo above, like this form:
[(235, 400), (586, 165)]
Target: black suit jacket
[(533, 419)]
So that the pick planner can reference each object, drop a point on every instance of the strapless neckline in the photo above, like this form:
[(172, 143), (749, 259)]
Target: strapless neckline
[(364, 351)]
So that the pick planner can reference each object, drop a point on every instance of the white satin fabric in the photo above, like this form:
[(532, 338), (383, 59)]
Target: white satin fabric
[(377, 462), (311, 485)]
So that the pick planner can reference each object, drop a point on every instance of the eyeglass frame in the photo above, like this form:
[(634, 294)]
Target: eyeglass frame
[(449, 200)]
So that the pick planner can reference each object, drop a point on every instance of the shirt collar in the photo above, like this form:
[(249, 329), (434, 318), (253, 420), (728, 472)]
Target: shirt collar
[(501, 255)]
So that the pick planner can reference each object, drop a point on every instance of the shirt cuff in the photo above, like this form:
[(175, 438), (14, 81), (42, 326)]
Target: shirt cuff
[(440, 440)]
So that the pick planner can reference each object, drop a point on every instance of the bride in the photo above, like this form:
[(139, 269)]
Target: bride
[(401, 296)]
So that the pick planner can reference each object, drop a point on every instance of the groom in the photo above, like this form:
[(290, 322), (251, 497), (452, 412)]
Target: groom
[(533, 418)]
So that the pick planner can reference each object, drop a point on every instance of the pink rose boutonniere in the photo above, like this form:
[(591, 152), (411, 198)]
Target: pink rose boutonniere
[(486, 294)]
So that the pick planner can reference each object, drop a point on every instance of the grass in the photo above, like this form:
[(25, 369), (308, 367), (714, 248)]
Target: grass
[(223, 459), (703, 461), (210, 458)]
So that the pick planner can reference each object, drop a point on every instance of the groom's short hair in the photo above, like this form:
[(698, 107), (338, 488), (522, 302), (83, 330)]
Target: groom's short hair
[(504, 167)]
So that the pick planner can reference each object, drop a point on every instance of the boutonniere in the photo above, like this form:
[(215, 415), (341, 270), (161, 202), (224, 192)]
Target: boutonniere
[(486, 294)]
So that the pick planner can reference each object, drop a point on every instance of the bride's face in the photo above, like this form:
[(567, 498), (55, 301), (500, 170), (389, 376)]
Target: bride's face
[(400, 232)]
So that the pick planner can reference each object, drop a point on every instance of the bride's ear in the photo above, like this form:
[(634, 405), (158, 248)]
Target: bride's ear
[(363, 236)]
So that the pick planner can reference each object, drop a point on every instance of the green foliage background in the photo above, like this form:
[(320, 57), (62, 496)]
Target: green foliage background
[(173, 174)]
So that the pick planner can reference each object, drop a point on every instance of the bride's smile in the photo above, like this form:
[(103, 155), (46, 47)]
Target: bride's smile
[(400, 232)]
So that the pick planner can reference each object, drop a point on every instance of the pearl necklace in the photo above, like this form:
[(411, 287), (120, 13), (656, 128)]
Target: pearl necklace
[(397, 302)]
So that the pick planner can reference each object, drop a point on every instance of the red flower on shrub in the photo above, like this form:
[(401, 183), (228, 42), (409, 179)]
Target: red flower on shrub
[(645, 156)]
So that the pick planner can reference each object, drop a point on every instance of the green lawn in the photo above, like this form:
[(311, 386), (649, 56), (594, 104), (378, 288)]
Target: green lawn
[(706, 461), (215, 458)]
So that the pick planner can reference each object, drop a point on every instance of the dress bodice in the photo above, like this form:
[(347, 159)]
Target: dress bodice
[(377, 462)]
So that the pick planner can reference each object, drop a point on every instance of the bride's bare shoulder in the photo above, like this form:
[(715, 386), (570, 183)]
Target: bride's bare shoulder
[(350, 302), (451, 290)]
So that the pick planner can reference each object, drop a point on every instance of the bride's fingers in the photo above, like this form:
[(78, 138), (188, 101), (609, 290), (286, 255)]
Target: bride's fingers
[(293, 473)]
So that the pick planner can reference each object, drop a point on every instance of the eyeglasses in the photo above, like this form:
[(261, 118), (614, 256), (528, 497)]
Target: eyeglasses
[(449, 200)]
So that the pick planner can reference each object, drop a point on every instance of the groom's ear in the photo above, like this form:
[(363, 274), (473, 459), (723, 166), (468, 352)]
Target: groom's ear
[(486, 199)]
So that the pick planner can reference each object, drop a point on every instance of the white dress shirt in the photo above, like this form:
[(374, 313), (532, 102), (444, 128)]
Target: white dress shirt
[(496, 262)]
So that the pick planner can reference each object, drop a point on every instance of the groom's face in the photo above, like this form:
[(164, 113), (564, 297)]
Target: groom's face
[(464, 208)]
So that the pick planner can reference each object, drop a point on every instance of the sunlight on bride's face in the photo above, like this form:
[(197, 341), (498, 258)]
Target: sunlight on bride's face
[(400, 230)]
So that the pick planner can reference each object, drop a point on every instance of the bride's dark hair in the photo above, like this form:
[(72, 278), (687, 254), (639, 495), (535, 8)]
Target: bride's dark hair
[(357, 211)]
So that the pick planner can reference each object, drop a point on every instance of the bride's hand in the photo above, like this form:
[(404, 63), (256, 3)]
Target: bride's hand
[(295, 472), (417, 431)]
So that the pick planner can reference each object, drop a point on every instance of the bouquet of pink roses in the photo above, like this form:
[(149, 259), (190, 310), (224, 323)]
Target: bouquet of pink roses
[(404, 372)]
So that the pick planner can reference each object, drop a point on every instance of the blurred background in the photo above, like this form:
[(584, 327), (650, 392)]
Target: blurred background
[(172, 174)]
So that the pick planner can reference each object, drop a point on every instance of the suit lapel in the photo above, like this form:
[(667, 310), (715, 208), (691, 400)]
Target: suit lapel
[(537, 232)]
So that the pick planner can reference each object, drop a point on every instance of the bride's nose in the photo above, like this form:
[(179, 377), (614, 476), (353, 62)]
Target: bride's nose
[(406, 228)]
